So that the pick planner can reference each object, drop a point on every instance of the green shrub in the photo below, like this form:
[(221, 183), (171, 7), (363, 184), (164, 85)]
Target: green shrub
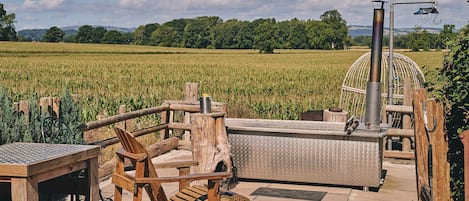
[(452, 88), (41, 126)]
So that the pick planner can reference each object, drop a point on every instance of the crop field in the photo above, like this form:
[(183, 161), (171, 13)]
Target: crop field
[(273, 86)]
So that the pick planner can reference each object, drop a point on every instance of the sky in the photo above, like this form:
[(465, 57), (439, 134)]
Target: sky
[(33, 14)]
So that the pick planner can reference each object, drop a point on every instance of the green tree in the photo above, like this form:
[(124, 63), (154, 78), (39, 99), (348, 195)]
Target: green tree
[(197, 31), (265, 38), (223, 35), (84, 34), (362, 41), (143, 33), (297, 36), (97, 34), (54, 34), (128, 37), (337, 32), (245, 37), (447, 34), (177, 32), (7, 27), (165, 36), (113, 37), (317, 32), (419, 39)]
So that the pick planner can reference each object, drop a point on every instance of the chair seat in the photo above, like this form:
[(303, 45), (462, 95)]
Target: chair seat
[(199, 193)]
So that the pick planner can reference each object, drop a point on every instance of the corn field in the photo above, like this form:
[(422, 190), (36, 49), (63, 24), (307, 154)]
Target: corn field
[(274, 86)]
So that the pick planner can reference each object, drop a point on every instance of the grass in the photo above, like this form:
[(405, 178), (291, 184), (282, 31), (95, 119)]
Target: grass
[(275, 86), (272, 86)]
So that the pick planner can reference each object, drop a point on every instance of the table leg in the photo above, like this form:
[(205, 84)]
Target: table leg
[(93, 179), (24, 189)]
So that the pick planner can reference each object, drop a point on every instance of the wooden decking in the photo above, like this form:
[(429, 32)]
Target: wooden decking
[(399, 184)]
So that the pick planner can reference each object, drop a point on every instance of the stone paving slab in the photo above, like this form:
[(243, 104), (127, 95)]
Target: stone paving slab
[(399, 184)]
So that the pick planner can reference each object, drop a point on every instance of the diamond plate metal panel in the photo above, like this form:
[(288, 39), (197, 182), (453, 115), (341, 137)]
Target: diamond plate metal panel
[(342, 160)]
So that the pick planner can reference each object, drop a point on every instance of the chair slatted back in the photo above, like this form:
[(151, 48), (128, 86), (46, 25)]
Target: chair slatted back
[(131, 145)]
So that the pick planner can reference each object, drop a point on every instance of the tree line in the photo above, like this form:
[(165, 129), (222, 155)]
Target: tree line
[(329, 32), (212, 32), (420, 39)]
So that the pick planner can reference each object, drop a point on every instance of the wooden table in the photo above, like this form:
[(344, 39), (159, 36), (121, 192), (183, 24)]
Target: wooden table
[(25, 165)]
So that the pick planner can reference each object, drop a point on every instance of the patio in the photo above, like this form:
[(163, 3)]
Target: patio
[(399, 184)]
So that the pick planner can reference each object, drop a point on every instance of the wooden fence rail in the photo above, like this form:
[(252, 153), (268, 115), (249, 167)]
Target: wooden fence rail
[(406, 133)]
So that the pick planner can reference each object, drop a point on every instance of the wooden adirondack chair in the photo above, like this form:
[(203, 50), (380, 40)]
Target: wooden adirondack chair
[(146, 176)]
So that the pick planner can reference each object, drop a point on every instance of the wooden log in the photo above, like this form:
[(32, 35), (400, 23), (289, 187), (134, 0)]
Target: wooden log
[(122, 110), (406, 119), (209, 143), (335, 115), (153, 150), (197, 103), (431, 112), (399, 108), (128, 115), (190, 94), (441, 167), (180, 126), (464, 136), (400, 132), (56, 107), (44, 105), (223, 145), (16, 106), (204, 139), (421, 142), (399, 154), (164, 134), (115, 140), (24, 109), (194, 108)]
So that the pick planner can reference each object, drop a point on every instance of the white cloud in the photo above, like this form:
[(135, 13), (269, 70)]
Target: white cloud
[(42, 4), (133, 3)]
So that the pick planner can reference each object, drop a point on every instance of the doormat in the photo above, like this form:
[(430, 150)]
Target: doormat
[(293, 194)]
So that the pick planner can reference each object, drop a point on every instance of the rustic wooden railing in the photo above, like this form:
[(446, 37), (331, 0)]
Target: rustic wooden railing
[(167, 125), (406, 133)]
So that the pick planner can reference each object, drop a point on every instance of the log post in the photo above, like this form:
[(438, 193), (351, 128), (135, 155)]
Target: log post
[(209, 142), (421, 142), (56, 106), (190, 94), (24, 108), (335, 115), (406, 118), (465, 141), (164, 134), (441, 167), (122, 124), (433, 113)]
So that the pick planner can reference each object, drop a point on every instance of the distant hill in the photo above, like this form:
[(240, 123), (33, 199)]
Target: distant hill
[(357, 30), (38, 34)]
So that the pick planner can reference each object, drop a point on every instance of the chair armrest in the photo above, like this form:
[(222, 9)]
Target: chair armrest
[(191, 177), (179, 164), (137, 157)]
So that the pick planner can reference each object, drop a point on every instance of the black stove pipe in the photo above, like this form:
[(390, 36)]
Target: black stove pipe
[(373, 88)]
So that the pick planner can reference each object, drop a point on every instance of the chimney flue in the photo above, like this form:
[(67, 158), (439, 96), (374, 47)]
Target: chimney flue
[(373, 89)]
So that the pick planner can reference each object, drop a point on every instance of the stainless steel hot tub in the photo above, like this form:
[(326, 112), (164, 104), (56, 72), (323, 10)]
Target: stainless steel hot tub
[(305, 151)]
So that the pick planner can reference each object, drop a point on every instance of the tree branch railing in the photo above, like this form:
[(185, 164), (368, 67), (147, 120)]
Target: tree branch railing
[(169, 106)]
